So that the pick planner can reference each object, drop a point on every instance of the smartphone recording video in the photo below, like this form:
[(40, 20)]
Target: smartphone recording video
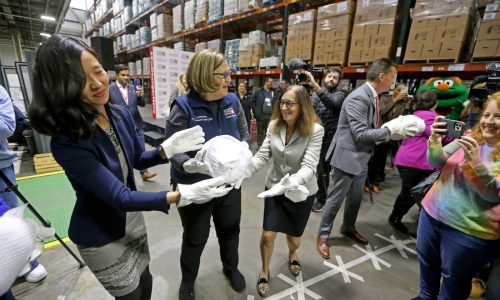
[(455, 128)]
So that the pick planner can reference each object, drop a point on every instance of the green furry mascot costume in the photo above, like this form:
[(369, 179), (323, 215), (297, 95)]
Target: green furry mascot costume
[(451, 95)]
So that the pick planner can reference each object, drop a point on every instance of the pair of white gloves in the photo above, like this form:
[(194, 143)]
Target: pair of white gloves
[(404, 126), (290, 186), (187, 140)]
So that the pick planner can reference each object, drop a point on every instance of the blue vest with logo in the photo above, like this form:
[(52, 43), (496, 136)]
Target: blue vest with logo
[(199, 113)]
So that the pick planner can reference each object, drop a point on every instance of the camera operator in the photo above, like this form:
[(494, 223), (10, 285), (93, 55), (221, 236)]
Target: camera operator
[(327, 102)]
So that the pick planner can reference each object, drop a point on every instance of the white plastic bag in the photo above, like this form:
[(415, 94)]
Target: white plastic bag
[(22, 242), (226, 157)]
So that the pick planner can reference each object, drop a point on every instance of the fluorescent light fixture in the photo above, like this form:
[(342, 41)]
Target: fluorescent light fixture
[(48, 18), (44, 34)]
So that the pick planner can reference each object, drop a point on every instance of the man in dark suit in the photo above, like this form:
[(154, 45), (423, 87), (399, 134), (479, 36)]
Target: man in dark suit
[(125, 94), (262, 107), (357, 132)]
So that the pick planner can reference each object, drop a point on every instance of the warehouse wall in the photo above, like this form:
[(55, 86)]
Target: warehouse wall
[(7, 55)]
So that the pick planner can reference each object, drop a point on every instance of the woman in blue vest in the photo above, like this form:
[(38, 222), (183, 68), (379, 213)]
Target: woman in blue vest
[(209, 105), (96, 144)]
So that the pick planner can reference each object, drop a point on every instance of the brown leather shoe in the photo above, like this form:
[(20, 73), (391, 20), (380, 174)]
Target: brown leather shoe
[(147, 175), (322, 246), (375, 189), (354, 235)]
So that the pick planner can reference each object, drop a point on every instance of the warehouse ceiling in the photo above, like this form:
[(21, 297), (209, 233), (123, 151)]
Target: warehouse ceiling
[(23, 17)]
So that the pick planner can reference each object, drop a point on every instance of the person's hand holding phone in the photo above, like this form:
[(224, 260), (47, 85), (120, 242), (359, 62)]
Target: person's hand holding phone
[(138, 91), (438, 130), (471, 148)]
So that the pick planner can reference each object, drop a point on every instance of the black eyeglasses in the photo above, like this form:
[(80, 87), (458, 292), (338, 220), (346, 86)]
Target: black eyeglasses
[(287, 104), (226, 74)]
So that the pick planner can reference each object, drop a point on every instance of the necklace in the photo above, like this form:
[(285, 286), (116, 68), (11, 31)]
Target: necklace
[(110, 132)]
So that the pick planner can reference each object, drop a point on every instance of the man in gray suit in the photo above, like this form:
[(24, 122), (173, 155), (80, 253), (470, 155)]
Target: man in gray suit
[(357, 132)]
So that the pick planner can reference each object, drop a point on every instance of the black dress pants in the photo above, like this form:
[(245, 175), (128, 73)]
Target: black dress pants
[(409, 178), (376, 164), (324, 168), (226, 213)]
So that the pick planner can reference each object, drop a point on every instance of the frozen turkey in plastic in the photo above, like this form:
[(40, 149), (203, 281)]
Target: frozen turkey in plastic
[(226, 156)]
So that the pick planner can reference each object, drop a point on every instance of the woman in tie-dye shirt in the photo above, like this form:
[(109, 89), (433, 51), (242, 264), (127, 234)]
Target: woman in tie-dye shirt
[(459, 227)]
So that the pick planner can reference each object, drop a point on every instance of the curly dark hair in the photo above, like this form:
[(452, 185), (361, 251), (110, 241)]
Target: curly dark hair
[(425, 100), (58, 82)]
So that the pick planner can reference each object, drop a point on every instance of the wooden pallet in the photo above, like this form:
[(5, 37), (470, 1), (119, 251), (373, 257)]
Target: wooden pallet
[(485, 59), (358, 64), (45, 163), (328, 65), (269, 68)]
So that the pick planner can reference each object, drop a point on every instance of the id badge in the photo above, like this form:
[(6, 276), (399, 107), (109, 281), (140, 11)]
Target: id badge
[(268, 102)]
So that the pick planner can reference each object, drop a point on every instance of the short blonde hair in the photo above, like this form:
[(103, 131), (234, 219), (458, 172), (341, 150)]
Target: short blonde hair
[(199, 75)]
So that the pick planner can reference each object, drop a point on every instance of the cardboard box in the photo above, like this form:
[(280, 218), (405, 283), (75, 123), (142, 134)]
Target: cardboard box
[(255, 60), (307, 39), (382, 41), (387, 13), (319, 47), (420, 23), (320, 58), (489, 31), (450, 50), (381, 52), (361, 18), (367, 54), (329, 46), (335, 9), (358, 31), (425, 35), (450, 34), (306, 52), (257, 49), (489, 17), (335, 58), (385, 29), (245, 59), (437, 22), (371, 30), (340, 45), (413, 51), (340, 33), (498, 51), (341, 21), (360, 42), (486, 48), (430, 50), (354, 55), (459, 20), (321, 36)]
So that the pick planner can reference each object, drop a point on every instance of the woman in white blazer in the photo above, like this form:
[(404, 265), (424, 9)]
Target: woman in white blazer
[(292, 146)]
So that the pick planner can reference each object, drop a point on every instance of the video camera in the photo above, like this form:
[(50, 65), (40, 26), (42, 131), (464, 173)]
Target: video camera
[(295, 64), (489, 83)]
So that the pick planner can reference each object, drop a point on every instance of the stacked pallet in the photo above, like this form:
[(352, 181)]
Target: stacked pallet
[(439, 31), (45, 163), (487, 42)]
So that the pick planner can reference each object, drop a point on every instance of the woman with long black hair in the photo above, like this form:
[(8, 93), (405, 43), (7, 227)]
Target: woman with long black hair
[(96, 144)]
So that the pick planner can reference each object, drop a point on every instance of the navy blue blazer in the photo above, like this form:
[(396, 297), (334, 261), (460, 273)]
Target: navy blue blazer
[(93, 169), (115, 97)]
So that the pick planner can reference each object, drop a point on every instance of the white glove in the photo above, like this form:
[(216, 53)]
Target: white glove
[(286, 183), (297, 194), (202, 191), (193, 165), (404, 126), (186, 140)]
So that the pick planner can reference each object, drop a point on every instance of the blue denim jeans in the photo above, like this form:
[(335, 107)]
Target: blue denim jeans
[(452, 255), (9, 197)]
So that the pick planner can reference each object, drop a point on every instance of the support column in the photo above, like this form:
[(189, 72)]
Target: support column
[(16, 41)]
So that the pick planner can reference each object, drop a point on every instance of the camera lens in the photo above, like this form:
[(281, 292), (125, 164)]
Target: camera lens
[(302, 77)]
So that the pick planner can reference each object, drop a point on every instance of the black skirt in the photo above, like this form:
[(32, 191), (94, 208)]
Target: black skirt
[(286, 216)]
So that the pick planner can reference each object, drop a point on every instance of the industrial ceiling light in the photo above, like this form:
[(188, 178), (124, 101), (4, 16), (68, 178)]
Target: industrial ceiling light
[(44, 34), (48, 18)]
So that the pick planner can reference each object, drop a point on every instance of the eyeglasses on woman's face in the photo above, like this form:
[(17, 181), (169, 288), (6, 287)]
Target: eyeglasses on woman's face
[(287, 103), (225, 75)]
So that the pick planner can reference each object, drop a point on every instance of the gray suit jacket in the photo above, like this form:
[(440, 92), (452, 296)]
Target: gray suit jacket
[(352, 145), (300, 156)]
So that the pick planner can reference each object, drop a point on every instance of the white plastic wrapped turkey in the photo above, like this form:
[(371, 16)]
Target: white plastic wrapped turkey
[(225, 156), (21, 244)]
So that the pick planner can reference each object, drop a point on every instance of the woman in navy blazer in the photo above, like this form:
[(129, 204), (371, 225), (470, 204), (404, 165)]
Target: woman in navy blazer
[(96, 144)]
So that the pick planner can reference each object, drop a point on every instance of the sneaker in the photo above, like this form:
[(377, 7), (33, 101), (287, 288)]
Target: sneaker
[(318, 206), (37, 274), (147, 175)]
